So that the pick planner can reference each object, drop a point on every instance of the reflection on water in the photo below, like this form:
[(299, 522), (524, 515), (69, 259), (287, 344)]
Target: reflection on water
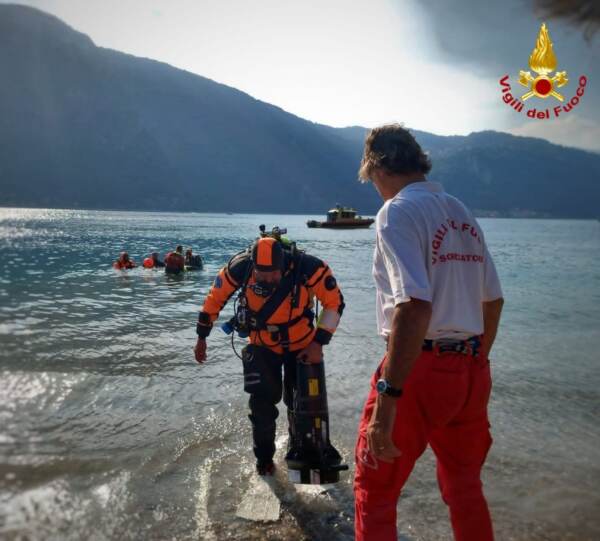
[(109, 429)]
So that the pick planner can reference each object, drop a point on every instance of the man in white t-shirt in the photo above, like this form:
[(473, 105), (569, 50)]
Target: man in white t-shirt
[(438, 308)]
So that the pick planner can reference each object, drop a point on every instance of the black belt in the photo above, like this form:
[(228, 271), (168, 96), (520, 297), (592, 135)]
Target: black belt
[(280, 331), (442, 346), (256, 324)]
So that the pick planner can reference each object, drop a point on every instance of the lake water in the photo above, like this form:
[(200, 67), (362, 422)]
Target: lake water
[(110, 430)]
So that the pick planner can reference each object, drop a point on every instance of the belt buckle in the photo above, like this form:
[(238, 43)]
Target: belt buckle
[(462, 347), (444, 349), (273, 328), (448, 347)]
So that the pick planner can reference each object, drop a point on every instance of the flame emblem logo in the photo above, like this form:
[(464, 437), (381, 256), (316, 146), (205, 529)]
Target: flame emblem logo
[(543, 62)]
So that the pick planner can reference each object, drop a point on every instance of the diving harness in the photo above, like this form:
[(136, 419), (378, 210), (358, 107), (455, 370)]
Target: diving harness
[(246, 320)]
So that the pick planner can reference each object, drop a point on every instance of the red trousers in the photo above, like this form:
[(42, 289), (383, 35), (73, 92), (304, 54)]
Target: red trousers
[(444, 404)]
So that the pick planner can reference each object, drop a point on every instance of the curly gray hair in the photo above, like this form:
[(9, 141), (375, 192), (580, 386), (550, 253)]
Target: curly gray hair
[(393, 149)]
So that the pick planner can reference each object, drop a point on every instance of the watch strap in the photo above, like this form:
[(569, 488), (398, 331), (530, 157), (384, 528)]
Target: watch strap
[(389, 390)]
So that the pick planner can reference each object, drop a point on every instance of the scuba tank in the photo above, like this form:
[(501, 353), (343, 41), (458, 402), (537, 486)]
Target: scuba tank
[(312, 459)]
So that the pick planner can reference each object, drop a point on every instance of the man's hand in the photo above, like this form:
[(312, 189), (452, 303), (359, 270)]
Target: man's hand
[(200, 350), (380, 429), (311, 354)]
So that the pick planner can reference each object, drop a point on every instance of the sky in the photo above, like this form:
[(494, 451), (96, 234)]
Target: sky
[(432, 65)]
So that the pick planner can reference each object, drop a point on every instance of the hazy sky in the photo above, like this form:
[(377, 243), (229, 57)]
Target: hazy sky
[(434, 65)]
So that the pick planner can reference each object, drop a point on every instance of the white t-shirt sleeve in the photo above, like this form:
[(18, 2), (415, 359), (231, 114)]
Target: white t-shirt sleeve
[(402, 254), (491, 283)]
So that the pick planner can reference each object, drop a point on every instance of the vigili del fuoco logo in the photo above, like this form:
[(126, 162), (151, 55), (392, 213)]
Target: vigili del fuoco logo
[(543, 84)]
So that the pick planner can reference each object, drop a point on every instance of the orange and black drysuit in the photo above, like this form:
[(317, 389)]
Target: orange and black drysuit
[(278, 326)]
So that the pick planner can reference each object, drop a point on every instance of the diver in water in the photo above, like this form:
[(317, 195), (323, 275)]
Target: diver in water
[(192, 262), (174, 261), (153, 261), (274, 310), (124, 262)]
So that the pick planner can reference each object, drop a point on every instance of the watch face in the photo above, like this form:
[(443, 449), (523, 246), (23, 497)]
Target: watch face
[(381, 386)]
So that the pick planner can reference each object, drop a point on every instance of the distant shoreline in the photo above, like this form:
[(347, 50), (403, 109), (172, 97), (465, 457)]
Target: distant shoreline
[(510, 215)]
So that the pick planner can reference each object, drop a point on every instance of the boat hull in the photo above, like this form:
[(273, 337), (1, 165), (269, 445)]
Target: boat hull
[(354, 224)]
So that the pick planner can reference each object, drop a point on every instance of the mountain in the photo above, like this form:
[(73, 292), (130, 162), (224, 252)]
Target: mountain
[(84, 126)]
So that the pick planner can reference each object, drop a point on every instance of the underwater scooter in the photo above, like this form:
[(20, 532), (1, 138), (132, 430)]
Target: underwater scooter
[(312, 459)]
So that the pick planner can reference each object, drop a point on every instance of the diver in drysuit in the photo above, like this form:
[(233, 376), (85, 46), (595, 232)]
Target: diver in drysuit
[(274, 310)]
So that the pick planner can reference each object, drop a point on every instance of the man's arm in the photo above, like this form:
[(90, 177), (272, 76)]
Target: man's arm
[(324, 285), (402, 252), (491, 305), (409, 327), (327, 291), (213, 304), (491, 320), (226, 283)]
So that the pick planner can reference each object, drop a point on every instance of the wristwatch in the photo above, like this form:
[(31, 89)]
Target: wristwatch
[(383, 387)]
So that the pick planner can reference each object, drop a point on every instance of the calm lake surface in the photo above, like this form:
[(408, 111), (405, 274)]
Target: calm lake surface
[(110, 430)]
